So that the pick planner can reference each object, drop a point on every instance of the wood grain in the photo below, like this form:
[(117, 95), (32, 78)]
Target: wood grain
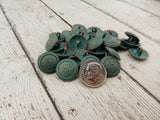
[(118, 98), (139, 20), (151, 6), (145, 72), (22, 96)]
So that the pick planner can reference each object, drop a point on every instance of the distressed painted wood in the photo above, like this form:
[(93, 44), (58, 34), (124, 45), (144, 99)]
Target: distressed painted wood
[(118, 98), (22, 96), (151, 6), (144, 71), (139, 20)]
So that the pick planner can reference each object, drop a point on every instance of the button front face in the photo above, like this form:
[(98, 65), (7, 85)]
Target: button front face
[(51, 42), (113, 53), (138, 53), (89, 57), (59, 47), (110, 41), (80, 53), (77, 42), (94, 43), (67, 70), (112, 66), (92, 73), (78, 27), (47, 62)]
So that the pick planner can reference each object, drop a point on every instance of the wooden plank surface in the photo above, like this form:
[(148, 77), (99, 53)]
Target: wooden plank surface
[(151, 6), (139, 20), (143, 71), (116, 99), (22, 96)]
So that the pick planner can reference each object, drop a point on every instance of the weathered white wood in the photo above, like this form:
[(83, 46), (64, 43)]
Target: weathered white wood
[(22, 96), (145, 72), (152, 6), (116, 99), (138, 19)]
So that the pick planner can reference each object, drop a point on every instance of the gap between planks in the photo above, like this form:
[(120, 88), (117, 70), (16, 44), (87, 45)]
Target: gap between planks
[(124, 23), (32, 63), (145, 89)]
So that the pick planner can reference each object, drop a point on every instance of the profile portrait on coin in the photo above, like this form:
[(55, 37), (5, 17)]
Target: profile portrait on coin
[(94, 73)]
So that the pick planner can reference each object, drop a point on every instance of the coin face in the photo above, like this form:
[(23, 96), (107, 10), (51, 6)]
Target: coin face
[(93, 73)]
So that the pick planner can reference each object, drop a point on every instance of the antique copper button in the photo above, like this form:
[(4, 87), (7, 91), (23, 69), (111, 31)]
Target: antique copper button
[(67, 70), (113, 53), (77, 42), (89, 57), (138, 53), (112, 66), (47, 62)]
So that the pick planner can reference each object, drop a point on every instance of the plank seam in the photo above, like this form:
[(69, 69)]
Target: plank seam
[(108, 14), (32, 63), (56, 13), (145, 89), (139, 8)]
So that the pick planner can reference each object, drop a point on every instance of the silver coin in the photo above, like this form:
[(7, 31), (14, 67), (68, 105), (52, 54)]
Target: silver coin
[(93, 73)]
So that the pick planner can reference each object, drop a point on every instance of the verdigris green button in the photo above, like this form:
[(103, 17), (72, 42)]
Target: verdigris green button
[(80, 53), (132, 43), (89, 35), (65, 53), (112, 66), (89, 57), (59, 47), (60, 37), (77, 42), (51, 42), (94, 29), (113, 33), (138, 53), (47, 62), (113, 53), (133, 40), (79, 32), (78, 27), (94, 43), (67, 70), (133, 36), (69, 36), (65, 33), (111, 41), (99, 51), (123, 45)]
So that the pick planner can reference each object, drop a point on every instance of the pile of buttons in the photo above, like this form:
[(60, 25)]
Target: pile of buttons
[(91, 50)]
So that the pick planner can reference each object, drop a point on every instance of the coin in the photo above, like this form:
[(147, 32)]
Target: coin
[(93, 73)]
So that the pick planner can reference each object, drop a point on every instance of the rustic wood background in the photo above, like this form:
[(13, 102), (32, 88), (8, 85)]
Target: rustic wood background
[(28, 94)]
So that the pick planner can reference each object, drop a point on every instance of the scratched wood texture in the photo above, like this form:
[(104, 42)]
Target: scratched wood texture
[(121, 97), (22, 96)]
